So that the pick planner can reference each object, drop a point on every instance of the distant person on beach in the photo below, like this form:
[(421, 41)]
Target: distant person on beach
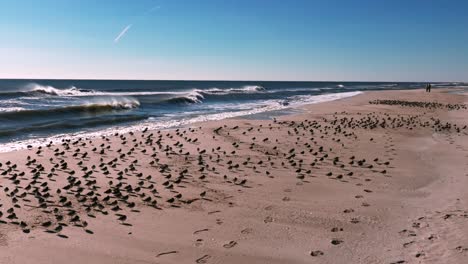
[(428, 87)]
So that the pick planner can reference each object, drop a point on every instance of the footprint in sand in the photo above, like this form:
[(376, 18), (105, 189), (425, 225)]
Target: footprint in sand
[(461, 249), (203, 259), (336, 229), (316, 253), (408, 233), (167, 253), (247, 231), (268, 219), (199, 242), (201, 230), (336, 242), (231, 244), (408, 244)]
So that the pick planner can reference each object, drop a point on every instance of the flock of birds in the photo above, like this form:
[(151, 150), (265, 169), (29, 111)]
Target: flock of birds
[(428, 105), (67, 185)]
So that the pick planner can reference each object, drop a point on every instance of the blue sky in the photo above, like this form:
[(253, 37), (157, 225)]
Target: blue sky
[(362, 40)]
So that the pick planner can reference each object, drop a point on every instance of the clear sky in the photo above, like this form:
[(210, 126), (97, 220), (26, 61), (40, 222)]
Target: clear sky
[(362, 40)]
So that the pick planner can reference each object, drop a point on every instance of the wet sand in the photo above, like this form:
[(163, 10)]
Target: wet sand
[(377, 178)]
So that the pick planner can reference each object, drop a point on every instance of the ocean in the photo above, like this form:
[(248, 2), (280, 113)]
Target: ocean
[(34, 112)]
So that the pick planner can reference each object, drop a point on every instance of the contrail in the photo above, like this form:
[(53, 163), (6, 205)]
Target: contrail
[(125, 30), (122, 33), (152, 9)]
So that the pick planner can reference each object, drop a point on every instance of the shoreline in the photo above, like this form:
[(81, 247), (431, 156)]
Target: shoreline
[(263, 112), (164, 125), (342, 181)]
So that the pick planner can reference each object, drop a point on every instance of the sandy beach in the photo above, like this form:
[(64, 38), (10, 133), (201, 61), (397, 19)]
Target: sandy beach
[(376, 178)]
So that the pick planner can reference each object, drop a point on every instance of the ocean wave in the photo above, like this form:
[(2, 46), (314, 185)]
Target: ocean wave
[(198, 95), (72, 124), (388, 85), (11, 109), (188, 96), (152, 124), (244, 89), (383, 86), (444, 84), (299, 100), (49, 90), (93, 106), (38, 89), (192, 97)]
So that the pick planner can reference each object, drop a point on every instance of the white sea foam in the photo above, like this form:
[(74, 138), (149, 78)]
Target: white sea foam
[(299, 100), (74, 91), (388, 85), (194, 95), (94, 104), (244, 89), (50, 90), (11, 109), (271, 105), (114, 102), (258, 89), (11, 105)]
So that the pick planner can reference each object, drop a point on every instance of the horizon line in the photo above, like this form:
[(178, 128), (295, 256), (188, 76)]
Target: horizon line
[(221, 80)]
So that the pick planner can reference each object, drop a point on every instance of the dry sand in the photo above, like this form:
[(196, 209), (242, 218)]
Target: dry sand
[(342, 182)]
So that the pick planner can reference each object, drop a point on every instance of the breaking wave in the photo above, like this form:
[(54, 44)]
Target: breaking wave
[(151, 124), (244, 89), (35, 89), (72, 124), (94, 106), (191, 96)]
